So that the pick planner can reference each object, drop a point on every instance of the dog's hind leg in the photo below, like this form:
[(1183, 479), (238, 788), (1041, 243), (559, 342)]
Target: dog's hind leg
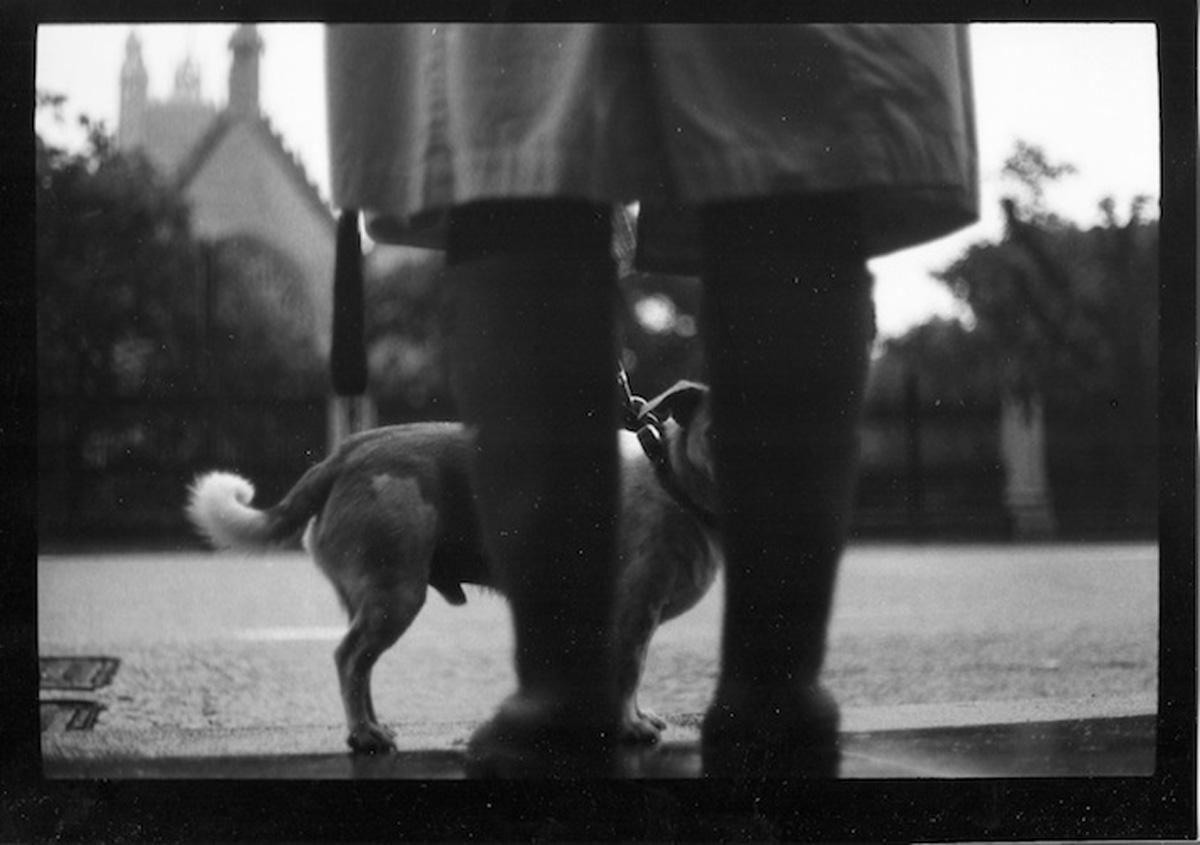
[(379, 563), (378, 623)]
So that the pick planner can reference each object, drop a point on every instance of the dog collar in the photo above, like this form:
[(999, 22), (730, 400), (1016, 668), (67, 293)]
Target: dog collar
[(651, 435)]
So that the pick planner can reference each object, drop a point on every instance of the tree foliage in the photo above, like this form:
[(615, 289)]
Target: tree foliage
[(115, 265), (259, 325), (954, 367), (1032, 171), (1068, 312), (140, 328), (128, 303), (407, 355)]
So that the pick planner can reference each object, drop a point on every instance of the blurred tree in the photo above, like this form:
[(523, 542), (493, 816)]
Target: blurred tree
[(954, 366), (131, 307), (115, 304), (658, 329), (1032, 171), (1070, 315), (116, 273), (127, 307), (405, 337), (259, 325)]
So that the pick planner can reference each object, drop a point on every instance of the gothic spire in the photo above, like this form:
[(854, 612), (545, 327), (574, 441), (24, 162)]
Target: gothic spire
[(247, 46)]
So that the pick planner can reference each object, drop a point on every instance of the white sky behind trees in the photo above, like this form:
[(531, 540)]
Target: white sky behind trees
[(1086, 93)]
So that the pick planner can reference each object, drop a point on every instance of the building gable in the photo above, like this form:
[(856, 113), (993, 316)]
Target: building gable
[(171, 129), (241, 181)]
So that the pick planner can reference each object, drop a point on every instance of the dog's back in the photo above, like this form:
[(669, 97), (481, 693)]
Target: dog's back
[(400, 482)]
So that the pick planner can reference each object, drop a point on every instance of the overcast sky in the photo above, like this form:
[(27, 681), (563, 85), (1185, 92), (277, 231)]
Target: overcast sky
[(1087, 93)]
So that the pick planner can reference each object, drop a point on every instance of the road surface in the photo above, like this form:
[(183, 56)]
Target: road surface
[(228, 641)]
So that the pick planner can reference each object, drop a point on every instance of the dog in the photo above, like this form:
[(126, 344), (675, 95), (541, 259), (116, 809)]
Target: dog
[(390, 513)]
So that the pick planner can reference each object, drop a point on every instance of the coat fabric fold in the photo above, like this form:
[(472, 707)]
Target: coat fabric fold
[(424, 117)]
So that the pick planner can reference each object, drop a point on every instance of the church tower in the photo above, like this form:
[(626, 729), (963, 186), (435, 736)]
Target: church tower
[(187, 82), (247, 46), (131, 120)]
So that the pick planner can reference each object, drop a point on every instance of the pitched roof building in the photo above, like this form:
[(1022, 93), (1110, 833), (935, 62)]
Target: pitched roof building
[(243, 184)]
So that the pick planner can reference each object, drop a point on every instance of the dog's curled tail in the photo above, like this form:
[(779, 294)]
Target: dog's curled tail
[(219, 508)]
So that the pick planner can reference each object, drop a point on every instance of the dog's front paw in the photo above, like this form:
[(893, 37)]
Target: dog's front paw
[(371, 739), (641, 727)]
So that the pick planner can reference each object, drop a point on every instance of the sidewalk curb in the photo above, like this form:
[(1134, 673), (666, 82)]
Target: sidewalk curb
[(1107, 747), (163, 743), (963, 714)]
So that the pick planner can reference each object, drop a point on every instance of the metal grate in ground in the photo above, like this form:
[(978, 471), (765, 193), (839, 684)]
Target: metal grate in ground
[(69, 715), (76, 673)]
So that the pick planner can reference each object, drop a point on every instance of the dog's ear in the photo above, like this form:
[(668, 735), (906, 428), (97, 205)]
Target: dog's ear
[(680, 401)]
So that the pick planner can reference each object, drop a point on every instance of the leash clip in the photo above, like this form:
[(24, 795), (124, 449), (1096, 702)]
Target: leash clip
[(634, 406), (651, 437), (643, 422)]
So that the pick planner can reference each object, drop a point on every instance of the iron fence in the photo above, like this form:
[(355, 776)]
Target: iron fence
[(118, 469)]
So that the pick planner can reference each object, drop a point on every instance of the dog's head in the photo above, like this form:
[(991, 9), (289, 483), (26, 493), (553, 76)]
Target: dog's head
[(686, 412)]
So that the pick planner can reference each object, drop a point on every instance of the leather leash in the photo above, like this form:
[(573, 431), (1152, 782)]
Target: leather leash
[(651, 435)]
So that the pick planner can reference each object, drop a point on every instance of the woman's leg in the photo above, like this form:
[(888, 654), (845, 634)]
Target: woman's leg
[(787, 321), (533, 370)]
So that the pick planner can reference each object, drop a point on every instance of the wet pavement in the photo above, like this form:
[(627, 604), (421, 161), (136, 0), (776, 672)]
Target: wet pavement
[(949, 661), (1084, 747)]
